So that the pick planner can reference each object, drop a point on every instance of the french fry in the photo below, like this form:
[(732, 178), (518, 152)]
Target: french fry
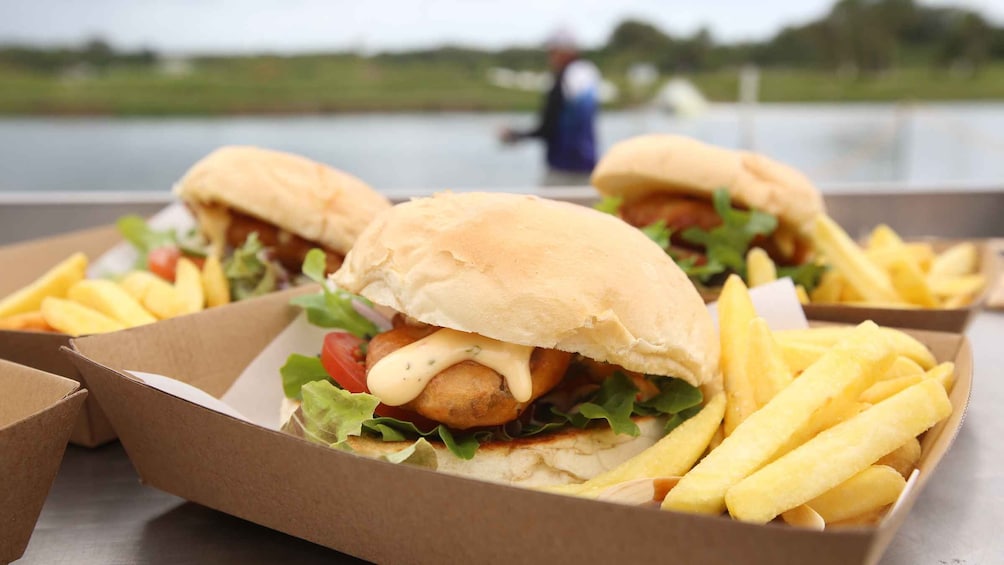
[(922, 254), (799, 355), (803, 296), (867, 279), (214, 282), (960, 259), (760, 269), (944, 374), (910, 283), (765, 363), (884, 389), (55, 282), (957, 301), (76, 319), (901, 342), (31, 321), (735, 311), (904, 458), (672, 455), (851, 365), (830, 287), (866, 519), (957, 285), (158, 296), (883, 236), (902, 367), (836, 454), (873, 488), (111, 300), (188, 283), (137, 283), (804, 517)]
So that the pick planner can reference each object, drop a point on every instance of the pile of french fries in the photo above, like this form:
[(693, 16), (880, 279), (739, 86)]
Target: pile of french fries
[(818, 426), (887, 272), (64, 300)]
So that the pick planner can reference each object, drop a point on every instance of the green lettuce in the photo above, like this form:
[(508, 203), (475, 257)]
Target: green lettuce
[(331, 414), (610, 205), (726, 245), (616, 402), (659, 233), (298, 371), (249, 275), (332, 308)]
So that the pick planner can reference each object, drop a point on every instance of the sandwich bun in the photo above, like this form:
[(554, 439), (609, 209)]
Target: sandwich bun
[(313, 201), (529, 271), (637, 167)]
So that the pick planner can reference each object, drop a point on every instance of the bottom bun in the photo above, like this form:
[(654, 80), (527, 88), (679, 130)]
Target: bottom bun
[(569, 456)]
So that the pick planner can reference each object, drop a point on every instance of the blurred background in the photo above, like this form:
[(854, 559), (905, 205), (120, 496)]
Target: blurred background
[(120, 95)]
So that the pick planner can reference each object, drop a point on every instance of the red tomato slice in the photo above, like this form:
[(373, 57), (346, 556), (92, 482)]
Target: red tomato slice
[(163, 262), (345, 363)]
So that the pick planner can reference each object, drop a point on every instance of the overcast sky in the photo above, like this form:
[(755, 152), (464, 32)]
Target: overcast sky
[(188, 26)]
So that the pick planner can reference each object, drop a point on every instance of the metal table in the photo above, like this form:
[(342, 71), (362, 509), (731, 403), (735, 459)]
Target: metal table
[(98, 512)]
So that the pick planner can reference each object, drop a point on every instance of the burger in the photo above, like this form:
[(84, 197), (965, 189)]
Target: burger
[(292, 203), (707, 206), (259, 211), (525, 341)]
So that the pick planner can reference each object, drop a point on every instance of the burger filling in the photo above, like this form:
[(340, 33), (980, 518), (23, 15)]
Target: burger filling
[(709, 239), (403, 380)]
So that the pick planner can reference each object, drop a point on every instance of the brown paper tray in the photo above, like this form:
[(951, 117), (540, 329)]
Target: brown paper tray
[(388, 513), (37, 411)]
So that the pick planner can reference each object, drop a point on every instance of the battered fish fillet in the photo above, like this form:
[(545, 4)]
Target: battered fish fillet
[(469, 394)]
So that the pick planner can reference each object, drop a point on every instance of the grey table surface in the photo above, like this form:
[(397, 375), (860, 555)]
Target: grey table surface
[(98, 512)]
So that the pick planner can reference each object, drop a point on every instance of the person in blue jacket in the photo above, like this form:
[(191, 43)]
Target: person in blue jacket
[(568, 121)]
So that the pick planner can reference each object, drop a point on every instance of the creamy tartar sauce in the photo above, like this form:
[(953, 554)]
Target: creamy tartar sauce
[(402, 375)]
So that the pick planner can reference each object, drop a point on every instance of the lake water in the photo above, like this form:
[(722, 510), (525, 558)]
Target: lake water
[(930, 144)]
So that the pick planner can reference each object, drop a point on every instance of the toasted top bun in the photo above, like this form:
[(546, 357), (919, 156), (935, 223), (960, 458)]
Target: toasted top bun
[(530, 271), (671, 163), (293, 193)]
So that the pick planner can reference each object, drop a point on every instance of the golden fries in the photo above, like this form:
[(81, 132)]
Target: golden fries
[(852, 364), (214, 283), (55, 282), (31, 321), (765, 363), (867, 280), (672, 455), (735, 312), (902, 343), (904, 458), (760, 269), (111, 300), (870, 489), (889, 273), (836, 454), (76, 319), (188, 284)]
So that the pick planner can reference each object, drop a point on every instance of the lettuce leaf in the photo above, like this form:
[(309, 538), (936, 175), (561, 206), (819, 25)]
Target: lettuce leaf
[(610, 205), (298, 371), (726, 245), (659, 233), (331, 415), (332, 308), (136, 231), (806, 274), (249, 275)]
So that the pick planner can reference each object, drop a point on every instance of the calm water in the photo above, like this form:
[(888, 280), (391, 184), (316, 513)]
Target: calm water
[(928, 144)]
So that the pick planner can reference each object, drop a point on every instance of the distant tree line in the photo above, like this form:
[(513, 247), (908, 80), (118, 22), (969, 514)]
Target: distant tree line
[(866, 36)]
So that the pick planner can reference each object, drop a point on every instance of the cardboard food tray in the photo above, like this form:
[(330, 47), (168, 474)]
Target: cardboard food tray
[(391, 513), (22, 263), (937, 319), (37, 411)]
